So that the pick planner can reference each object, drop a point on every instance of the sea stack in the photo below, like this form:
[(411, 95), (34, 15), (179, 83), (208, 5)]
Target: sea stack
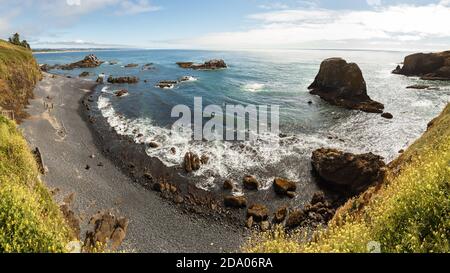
[(428, 66), (342, 84)]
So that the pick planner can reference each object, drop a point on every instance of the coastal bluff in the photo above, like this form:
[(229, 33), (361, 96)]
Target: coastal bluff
[(342, 84), (427, 66)]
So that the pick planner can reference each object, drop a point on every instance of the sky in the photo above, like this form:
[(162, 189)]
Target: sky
[(229, 24)]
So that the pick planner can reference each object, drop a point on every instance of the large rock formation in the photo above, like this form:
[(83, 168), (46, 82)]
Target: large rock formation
[(209, 65), (428, 66), (122, 80), (346, 171), (89, 61), (342, 84)]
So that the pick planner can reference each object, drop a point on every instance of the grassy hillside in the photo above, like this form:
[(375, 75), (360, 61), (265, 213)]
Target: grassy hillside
[(19, 73), (410, 212), (30, 221)]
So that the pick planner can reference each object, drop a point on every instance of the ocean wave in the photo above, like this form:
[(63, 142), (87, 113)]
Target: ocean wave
[(254, 87)]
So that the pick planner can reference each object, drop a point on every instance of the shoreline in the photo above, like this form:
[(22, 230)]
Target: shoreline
[(69, 144)]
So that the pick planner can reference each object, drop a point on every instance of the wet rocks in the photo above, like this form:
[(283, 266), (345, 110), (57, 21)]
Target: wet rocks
[(235, 201), (387, 115), (418, 86), (258, 212), (283, 186), (192, 162), (122, 80), (84, 74), (342, 84), (131, 65), (166, 84), (208, 65), (153, 145), (250, 183), (228, 185), (346, 171), (428, 66), (121, 93)]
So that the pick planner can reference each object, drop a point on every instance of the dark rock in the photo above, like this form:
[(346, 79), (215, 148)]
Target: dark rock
[(148, 176), (318, 197), (428, 66), (131, 65), (191, 162), (250, 183), (84, 74), (280, 215), (387, 115), (121, 93), (123, 80), (173, 150), (209, 65), (204, 159), (418, 86), (295, 219), (235, 201), (88, 167), (348, 171), (153, 145), (159, 187), (89, 61), (342, 84), (283, 186), (107, 228), (258, 212), (166, 84), (228, 185)]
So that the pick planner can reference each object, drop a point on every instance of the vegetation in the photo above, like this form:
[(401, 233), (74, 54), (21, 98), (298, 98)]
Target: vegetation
[(19, 73), (30, 221), (15, 40), (409, 212)]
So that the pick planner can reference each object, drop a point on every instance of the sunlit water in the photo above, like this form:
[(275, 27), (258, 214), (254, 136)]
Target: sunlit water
[(262, 78)]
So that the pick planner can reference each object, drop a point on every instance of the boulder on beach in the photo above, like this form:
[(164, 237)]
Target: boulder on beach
[(283, 186), (342, 84), (122, 80), (250, 182), (428, 66), (387, 115), (258, 212), (191, 162), (346, 171), (208, 65), (235, 201)]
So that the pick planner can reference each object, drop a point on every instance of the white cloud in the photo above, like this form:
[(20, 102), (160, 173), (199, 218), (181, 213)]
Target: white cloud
[(373, 2), (291, 28), (135, 7)]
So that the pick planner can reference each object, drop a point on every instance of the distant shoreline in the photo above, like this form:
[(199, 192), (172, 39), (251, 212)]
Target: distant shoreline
[(52, 51)]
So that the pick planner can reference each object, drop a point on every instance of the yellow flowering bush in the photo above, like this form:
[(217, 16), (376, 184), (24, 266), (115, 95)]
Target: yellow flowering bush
[(410, 212), (30, 221)]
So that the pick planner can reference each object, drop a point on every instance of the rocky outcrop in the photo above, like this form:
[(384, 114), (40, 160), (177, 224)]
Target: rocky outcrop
[(166, 84), (346, 171), (90, 61), (123, 80), (258, 212), (428, 66), (107, 229), (209, 65), (318, 212), (342, 84), (191, 162)]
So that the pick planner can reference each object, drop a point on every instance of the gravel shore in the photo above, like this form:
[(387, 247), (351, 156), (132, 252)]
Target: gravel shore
[(68, 147)]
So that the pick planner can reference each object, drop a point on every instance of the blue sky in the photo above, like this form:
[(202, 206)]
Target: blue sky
[(229, 24)]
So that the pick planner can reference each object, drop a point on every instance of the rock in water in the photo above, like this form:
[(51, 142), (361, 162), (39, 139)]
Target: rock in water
[(122, 80), (89, 61), (121, 93), (250, 183), (209, 65), (191, 162), (342, 84), (349, 172), (428, 66)]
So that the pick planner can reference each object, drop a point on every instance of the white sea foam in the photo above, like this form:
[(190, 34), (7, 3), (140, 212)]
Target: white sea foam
[(226, 159), (188, 79), (254, 87)]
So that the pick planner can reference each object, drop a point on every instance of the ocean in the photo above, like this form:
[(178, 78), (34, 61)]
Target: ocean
[(260, 78)]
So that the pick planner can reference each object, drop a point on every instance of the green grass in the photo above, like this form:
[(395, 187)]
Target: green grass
[(410, 212), (19, 73), (30, 221)]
